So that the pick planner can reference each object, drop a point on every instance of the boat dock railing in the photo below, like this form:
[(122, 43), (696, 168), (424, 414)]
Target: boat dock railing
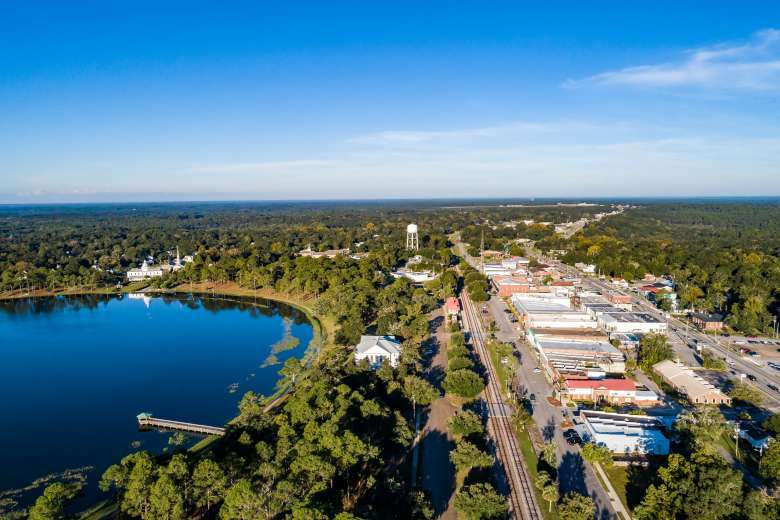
[(147, 421)]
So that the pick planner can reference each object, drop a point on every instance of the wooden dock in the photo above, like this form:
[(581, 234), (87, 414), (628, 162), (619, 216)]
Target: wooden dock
[(147, 422)]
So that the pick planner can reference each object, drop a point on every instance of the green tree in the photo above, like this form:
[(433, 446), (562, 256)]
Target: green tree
[(550, 454), (480, 501), (541, 480), (465, 423), (464, 383), (521, 417), (575, 506), (704, 487), (418, 390), (772, 424), (460, 362), (770, 461), (166, 500), (209, 483), (242, 503), (653, 348), (550, 494), (51, 504), (598, 454), (746, 393), (466, 456), (706, 425)]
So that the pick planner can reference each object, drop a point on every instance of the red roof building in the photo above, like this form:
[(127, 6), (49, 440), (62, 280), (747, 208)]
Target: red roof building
[(612, 391), (452, 306)]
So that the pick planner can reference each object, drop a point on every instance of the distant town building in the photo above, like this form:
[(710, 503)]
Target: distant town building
[(624, 433), (685, 381), (378, 350), (330, 253), (146, 271), (631, 322), (706, 321)]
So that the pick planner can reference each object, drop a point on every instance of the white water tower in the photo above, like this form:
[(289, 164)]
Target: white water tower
[(412, 238)]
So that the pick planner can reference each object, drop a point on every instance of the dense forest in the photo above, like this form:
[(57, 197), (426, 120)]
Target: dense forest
[(91, 246)]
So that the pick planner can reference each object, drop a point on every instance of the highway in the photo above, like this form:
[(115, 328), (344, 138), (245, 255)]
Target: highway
[(764, 375), (522, 498)]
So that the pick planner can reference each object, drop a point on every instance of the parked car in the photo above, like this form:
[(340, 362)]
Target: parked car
[(532, 397), (751, 377), (572, 437)]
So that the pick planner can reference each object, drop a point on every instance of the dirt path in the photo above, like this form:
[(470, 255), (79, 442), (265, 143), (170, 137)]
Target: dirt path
[(437, 474)]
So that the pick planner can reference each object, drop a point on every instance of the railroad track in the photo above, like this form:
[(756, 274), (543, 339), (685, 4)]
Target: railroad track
[(522, 498)]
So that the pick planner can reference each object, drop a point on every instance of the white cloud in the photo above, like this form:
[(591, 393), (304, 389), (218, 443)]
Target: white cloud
[(495, 133), (753, 65)]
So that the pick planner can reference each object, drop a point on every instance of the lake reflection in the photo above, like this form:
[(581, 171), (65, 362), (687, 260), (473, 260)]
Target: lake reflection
[(75, 372)]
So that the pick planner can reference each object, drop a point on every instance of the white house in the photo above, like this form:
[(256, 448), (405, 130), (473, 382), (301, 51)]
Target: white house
[(146, 271), (378, 349)]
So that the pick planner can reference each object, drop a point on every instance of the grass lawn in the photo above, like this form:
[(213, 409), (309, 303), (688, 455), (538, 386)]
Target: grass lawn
[(531, 462), (618, 476), (503, 372)]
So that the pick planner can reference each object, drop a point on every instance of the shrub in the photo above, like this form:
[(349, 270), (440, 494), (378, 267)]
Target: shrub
[(464, 383), (458, 363)]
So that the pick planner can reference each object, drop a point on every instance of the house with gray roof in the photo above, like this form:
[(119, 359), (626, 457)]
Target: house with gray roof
[(378, 350)]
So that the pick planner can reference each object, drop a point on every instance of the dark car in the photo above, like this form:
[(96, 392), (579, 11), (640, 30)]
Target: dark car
[(532, 397), (572, 437), (751, 377), (773, 387)]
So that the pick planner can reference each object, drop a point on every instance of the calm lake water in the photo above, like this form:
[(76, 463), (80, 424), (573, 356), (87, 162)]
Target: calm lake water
[(76, 371)]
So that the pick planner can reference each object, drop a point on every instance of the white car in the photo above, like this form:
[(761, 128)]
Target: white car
[(537, 370)]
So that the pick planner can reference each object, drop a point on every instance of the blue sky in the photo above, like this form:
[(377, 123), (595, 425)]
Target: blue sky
[(102, 101)]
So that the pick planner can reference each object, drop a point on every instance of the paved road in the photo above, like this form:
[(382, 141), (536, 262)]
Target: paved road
[(681, 335), (522, 497), (573, 473), (437, 474)]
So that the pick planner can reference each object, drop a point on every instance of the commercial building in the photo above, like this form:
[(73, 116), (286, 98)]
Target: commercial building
[(378, 350), (631, 322), (508, 285), (620, 300), (612, 391), (706, 321), (551, 314), (623, 433), (597, 309), (568, 353), (685, 381)]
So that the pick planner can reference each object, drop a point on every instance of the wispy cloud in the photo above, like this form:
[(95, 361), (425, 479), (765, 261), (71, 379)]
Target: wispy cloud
[(422, 137), (264, 166), (752, 65)]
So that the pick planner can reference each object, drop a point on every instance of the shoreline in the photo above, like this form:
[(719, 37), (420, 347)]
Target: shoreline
[(323, 334)]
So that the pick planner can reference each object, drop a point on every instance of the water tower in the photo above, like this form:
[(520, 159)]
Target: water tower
[(412, 238)]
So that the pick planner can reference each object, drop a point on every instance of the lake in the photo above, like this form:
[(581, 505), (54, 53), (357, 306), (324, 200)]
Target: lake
[(76, 371)]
